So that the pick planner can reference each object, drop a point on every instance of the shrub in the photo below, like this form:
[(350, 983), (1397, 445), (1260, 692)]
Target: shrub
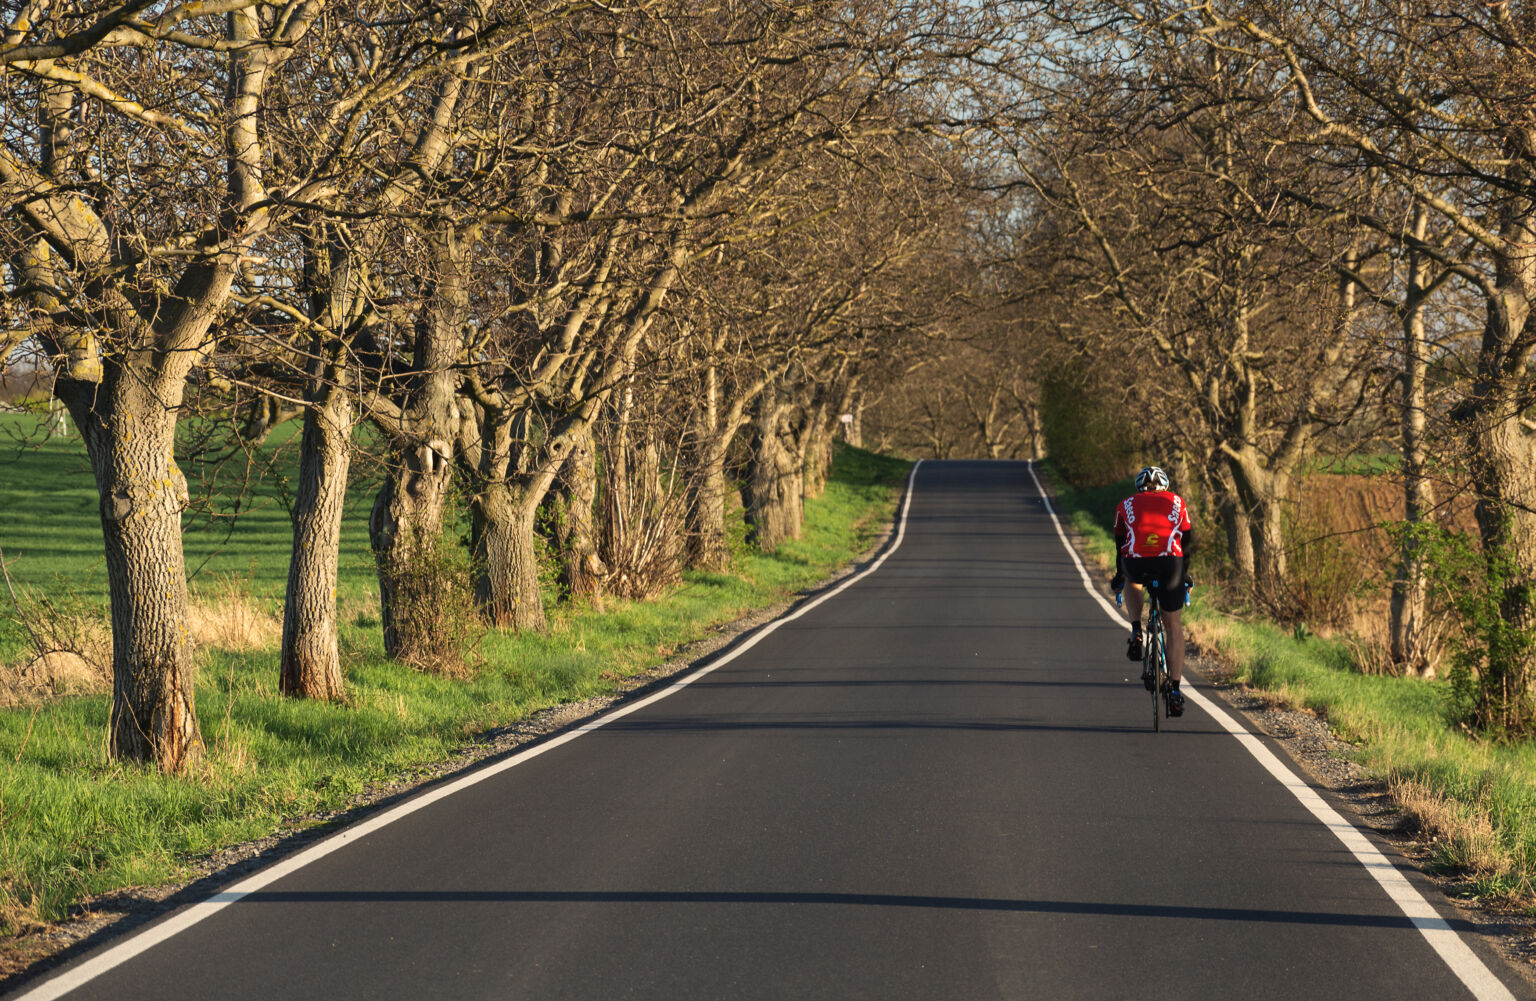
[(1491, 650), (1092, 444), (436, 615)]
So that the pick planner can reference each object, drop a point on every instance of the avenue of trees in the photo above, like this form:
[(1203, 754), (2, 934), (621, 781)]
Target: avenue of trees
[(582, 269), (1249, 235), (586, 271)]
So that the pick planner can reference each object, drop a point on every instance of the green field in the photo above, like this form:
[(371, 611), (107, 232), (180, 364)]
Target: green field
[(74, 823), (237, 525)]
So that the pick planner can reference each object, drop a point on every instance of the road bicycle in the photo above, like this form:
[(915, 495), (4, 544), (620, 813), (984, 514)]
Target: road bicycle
[(1154, 655)]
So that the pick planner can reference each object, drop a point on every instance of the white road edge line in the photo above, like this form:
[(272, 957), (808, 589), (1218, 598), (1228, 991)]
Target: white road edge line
[(78, 976), (1463, 962)]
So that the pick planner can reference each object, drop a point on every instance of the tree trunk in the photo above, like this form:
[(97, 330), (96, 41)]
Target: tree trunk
[(58, 419), (817, 449), (1260, 496), (854, 429), (1269, 556), (1409, 599), (130, 436), (261, 417), (406, 521), (705, 450), (576, 534), (1504, 478), (506, 557), (1034, 429), (1237, 526), (408, 512), (311, 658), (774, 491), (707, 546), (1503, 468), (1502, 450)]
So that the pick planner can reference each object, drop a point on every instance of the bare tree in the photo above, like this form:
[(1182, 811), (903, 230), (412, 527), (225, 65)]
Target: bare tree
[(1164, 169), (127, 296), (1437, 103), (649, 182)]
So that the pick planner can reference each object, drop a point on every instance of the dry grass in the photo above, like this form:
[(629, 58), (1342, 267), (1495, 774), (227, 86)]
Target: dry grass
[(71, 655), (1340, 528), (1214, 636), (72, 650), (224, 616), (1466, 837)]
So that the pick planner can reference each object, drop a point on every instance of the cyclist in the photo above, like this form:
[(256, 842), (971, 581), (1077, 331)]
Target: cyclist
[(1153, 541)]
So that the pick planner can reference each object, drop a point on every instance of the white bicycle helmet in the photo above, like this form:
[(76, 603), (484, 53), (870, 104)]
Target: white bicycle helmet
[(1151, 478)]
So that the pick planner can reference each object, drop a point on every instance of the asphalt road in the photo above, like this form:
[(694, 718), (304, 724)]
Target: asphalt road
[(940, 783)]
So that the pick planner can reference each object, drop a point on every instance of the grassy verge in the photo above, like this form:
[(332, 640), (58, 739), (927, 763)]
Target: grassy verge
[(74, 824), (1476, 798)]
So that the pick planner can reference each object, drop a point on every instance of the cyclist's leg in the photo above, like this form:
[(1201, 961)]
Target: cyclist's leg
[(1133, 603), (1133, 606), (1173, 629), (1173, 595)]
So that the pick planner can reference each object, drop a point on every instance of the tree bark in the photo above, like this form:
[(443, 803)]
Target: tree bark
[(1034, 429), (707, 546), (1239, 533), (576, 534), (408, 512), (774, 491), (311, 657), (854, 429), (704, 452), (1260, 499), (1409, 600), (407, 518), (129, 434), (1503, 468), (506, 557), (815, 445), (1237, 524)]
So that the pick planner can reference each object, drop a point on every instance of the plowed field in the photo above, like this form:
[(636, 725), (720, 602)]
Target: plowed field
[(1352, 510)]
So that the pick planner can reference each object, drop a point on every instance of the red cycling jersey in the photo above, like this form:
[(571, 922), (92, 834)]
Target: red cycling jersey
[(1151, 523)]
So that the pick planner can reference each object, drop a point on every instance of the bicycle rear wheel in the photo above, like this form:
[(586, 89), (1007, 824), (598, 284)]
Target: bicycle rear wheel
[(1164, 686), (1157, 666)]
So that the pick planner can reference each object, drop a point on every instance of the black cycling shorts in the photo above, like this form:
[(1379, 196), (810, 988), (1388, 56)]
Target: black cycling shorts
[(1167, 571)]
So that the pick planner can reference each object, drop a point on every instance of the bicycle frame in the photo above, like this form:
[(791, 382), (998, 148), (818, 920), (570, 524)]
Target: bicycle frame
[(1154, 653)]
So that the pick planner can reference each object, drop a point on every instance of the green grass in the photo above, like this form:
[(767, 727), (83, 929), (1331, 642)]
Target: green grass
[(74, 823), (1089, 511), (1477, 796), (237, 525), (1360, 464)]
